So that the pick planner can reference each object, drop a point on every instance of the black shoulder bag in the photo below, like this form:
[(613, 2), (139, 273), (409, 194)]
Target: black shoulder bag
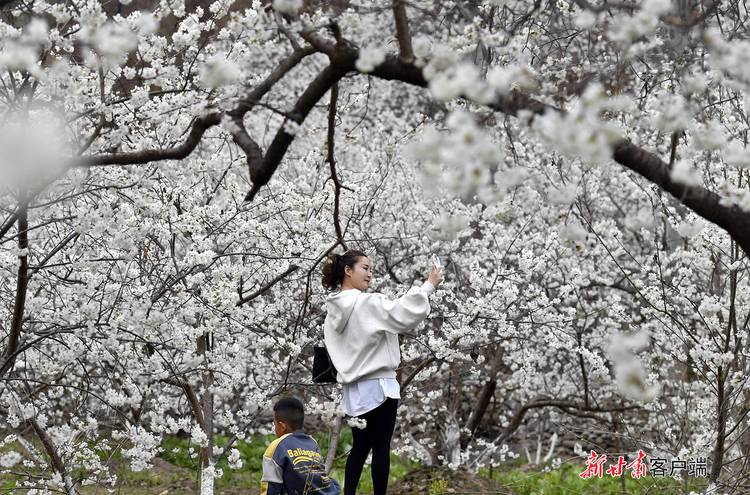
[(323, 370)]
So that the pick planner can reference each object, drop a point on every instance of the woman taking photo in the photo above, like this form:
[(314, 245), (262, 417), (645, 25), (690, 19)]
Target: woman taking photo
[(361, 334)]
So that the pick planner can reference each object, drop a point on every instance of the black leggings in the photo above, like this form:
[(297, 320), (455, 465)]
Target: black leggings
[(376, 436)]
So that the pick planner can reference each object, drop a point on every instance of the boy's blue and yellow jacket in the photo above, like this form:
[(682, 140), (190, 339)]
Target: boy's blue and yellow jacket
[(292, 465)]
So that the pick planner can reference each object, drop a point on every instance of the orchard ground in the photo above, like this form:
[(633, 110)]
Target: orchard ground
[(167, 479), (511, 479)]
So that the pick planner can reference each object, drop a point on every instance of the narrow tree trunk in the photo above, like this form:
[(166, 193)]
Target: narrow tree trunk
[(722, 398), (724, 393), (207, 423), (451, 433), (22, 284), (55, 459), (485, 396), (334, 443)]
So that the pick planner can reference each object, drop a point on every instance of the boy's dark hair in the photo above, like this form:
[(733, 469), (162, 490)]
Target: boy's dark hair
[(290, 410)]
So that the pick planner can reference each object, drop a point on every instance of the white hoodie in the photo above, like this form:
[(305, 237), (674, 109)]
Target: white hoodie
[(361, 331)]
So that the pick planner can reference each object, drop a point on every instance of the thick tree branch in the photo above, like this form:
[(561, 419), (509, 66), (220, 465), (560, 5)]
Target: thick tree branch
[(260, 175), (518, 416), (703, 202), (195, 404), (343, 56), (26, 199), (249, 102), (200, 126), (488, 391), (402, 31)]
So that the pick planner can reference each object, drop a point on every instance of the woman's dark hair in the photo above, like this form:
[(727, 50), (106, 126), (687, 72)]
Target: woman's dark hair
[(333, 270)]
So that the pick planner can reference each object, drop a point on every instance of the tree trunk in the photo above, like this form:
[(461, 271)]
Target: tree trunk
[(334, 443), (451, 433), (55, 459), (22, 283), (488, 390), (722, 398), (207, 423)]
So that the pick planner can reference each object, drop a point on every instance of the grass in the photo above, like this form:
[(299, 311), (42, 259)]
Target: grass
[(182, 453), (176, 471), (565, 480)]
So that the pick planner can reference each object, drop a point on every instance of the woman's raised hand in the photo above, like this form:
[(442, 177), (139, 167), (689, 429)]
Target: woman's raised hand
[(436, 275)]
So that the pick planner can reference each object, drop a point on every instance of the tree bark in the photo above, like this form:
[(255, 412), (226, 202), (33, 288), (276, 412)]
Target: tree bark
[(485, 396), (333, 445), (22, 283), (55, 459), (402, 31), (206, 422)]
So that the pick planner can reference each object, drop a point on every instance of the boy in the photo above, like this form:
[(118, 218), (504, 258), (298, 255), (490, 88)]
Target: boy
[(292, 464)]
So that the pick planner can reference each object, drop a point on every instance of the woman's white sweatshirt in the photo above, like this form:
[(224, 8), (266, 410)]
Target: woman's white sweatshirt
[(361, 331)]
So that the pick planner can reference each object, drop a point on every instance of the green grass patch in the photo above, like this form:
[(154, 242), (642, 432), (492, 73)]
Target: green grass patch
[(177, 471), (566, 480), (183, 453)]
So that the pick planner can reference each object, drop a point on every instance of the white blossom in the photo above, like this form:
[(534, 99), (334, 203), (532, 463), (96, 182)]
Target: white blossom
[(291, 127), (139, 97), (356, 422), (630, 374), (736, 154), (421, 45), (217, 71), (505, 79), (563, 196), (370, 58), (10, 459), (289, 7), (112, 41), (199, 437), (684, 173), (586, 20), (573, 232), (709, 136), (234, 459), (691, 228)]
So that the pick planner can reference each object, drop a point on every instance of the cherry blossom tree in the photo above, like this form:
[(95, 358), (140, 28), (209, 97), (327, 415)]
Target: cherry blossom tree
[(175, 174)]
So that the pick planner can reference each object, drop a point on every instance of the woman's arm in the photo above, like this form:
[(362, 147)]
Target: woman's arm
[(406, 312)]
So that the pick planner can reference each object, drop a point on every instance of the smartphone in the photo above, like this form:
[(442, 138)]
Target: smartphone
[(436, 261)]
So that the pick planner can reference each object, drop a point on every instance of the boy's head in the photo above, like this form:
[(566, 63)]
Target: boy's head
[(288, 416)]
